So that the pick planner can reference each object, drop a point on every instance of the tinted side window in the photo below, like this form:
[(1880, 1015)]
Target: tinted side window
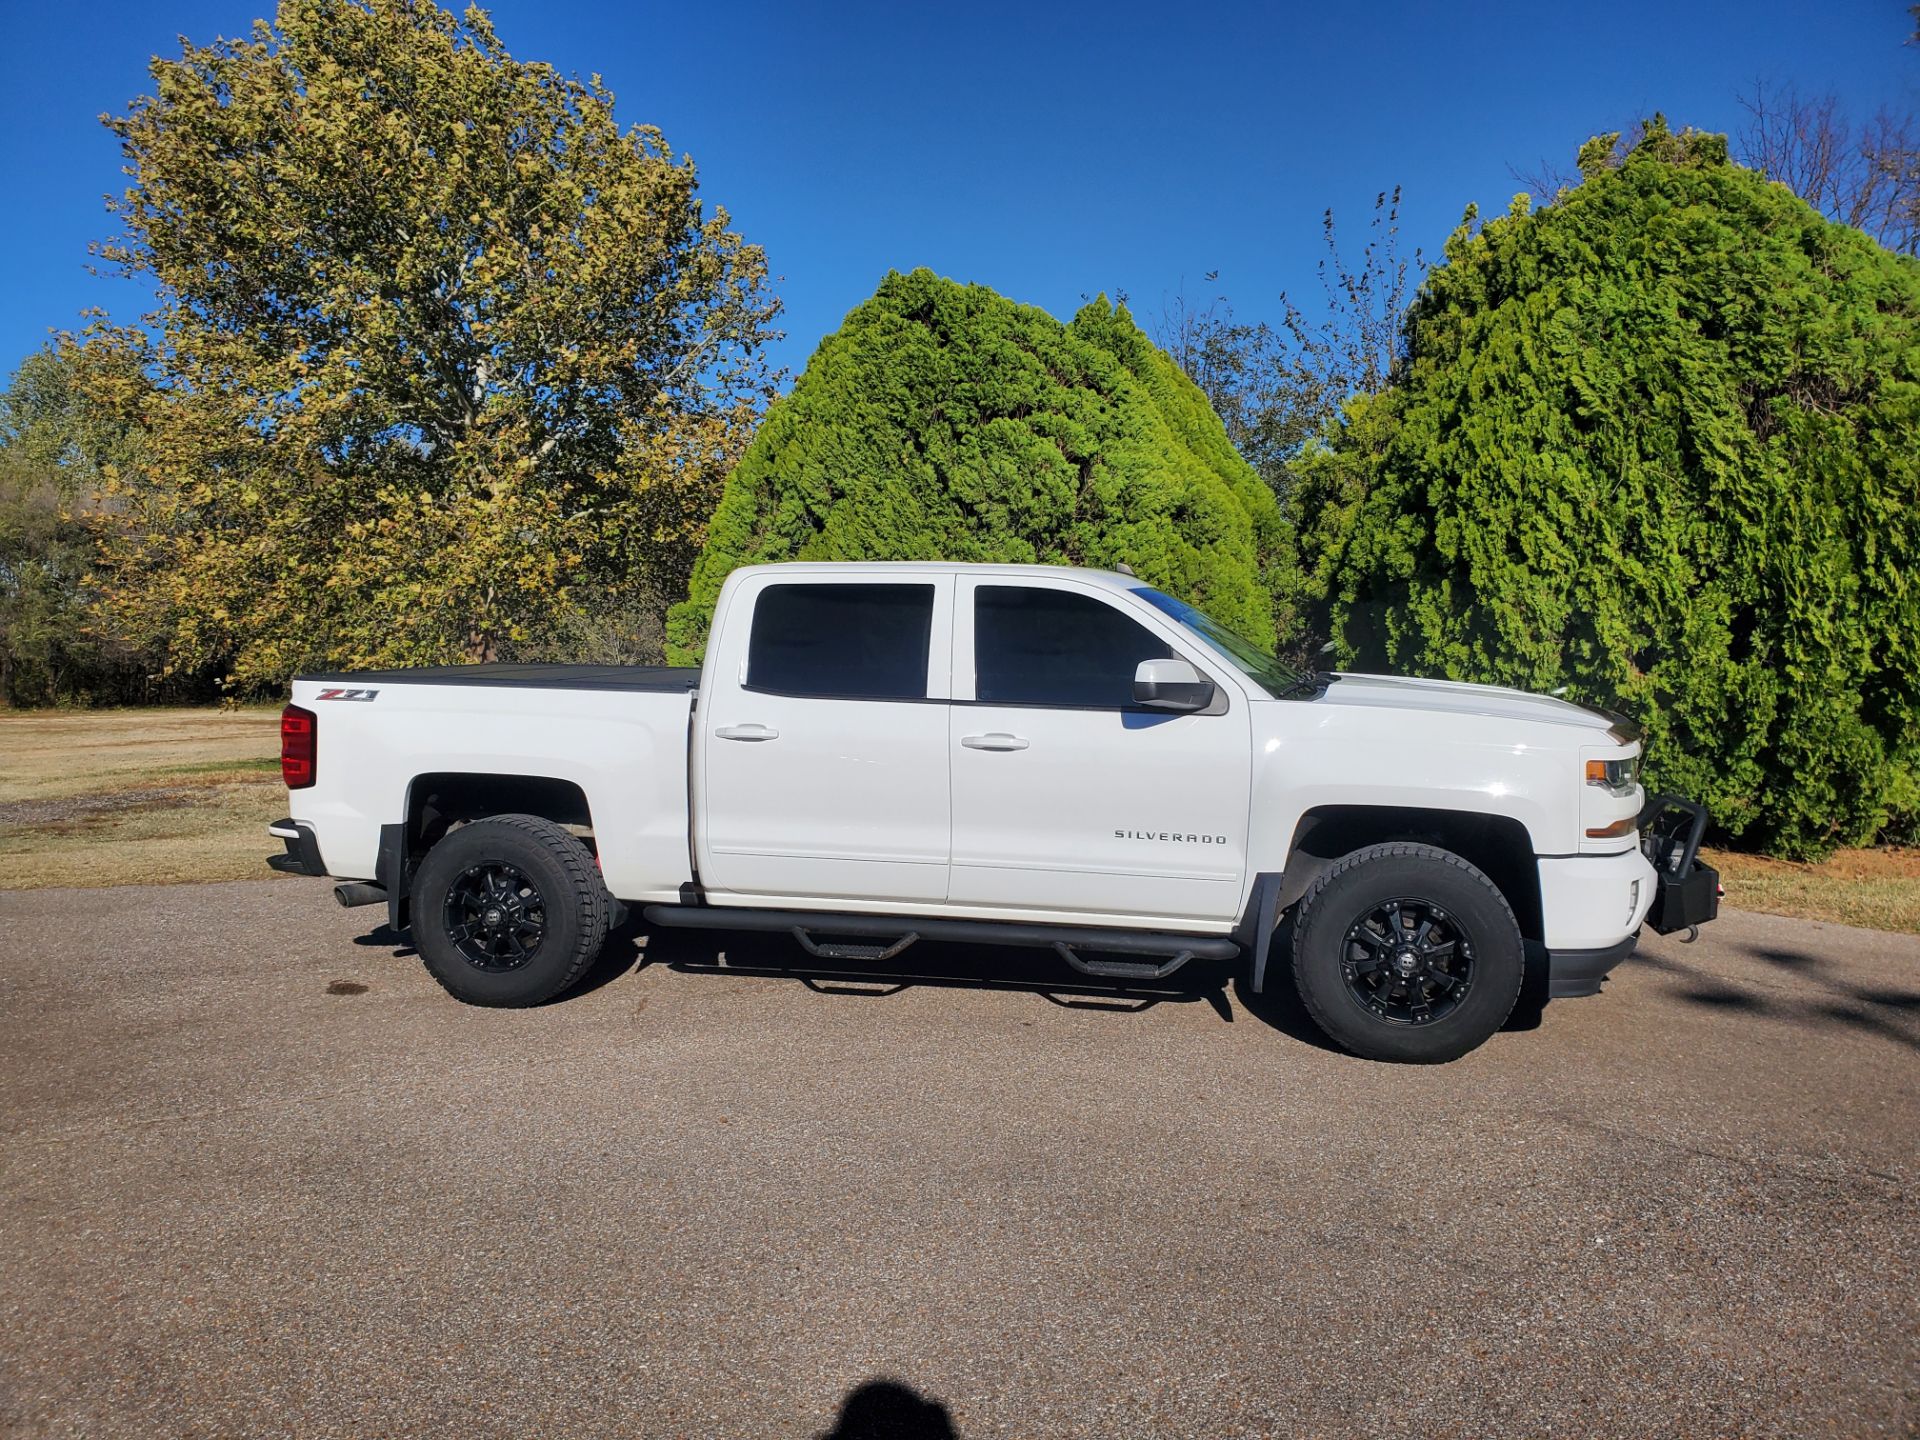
[(1053, 647), (856, 642)]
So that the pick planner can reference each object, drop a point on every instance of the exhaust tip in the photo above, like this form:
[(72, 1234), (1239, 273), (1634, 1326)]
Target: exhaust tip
[(358, 892)]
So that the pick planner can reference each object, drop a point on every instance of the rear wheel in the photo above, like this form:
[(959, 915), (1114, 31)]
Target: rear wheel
[(509, 911), (1407, 952)]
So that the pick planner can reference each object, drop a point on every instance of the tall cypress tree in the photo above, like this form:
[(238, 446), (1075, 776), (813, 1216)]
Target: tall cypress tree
[(1661, 440), (945, 422)]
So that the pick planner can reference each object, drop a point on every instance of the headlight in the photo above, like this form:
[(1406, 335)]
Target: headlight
[(1616, 777)]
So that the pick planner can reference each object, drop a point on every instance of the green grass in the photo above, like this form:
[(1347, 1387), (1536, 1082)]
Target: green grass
[(1878, 889), (124, 797)]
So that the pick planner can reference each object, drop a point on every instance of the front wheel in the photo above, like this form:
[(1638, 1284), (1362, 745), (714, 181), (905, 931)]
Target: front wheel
[(1407, 952), (509, 911)]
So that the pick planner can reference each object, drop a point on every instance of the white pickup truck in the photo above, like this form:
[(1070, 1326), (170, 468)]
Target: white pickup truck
[(1012, 754)]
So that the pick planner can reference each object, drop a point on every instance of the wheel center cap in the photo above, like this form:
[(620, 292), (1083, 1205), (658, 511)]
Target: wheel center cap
[(493, 917), (1406, 962)]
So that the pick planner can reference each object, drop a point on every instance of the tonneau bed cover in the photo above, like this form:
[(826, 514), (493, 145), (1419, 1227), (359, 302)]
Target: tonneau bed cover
[(530, 677)]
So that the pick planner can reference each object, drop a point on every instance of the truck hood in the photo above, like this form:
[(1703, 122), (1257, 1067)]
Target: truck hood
[(1395, 692)]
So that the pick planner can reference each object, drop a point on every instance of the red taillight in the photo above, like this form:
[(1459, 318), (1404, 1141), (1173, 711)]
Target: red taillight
[(299, 735)]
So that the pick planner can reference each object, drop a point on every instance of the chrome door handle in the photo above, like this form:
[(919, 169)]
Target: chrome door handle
[(747, 732), (998, 740)]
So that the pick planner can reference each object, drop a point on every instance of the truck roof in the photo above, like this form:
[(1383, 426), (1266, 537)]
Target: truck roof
[(943, 567)]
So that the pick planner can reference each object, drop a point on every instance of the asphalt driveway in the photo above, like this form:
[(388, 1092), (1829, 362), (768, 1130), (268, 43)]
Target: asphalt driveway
[(263, 1178)]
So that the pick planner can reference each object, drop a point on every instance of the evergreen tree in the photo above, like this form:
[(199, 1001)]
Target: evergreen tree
[(945, 422), (1661, 441)]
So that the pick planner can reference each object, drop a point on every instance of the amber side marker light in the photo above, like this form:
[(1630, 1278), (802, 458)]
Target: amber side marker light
[(1625, 825)]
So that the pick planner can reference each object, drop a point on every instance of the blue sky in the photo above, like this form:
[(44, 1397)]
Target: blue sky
[(1050, 151)]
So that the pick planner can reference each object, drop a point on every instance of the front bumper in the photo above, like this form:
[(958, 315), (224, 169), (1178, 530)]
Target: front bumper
[(1573, 973), (1594, 902), (1596, 905), (302, 855)]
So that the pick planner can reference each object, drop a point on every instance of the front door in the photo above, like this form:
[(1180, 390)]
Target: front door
[(822, 745), (1067, 797)]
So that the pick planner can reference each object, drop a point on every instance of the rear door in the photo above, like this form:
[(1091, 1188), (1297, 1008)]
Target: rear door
[(1068, 797), (822, 747)]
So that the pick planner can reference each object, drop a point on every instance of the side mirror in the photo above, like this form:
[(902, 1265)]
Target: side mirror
[(1171, 685)]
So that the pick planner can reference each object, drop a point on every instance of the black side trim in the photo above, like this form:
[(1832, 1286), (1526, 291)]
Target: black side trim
[(1219, 705), (302, 855), (1573, 973), (976, 932)]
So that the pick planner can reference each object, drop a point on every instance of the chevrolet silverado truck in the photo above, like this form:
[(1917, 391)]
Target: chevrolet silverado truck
[(876, 754)]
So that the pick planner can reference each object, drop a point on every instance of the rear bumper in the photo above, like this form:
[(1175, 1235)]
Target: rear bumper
[(1573, 973), (302, 855)]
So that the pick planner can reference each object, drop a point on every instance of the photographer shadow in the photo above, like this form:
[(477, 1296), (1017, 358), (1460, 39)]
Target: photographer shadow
[(887, 1409)]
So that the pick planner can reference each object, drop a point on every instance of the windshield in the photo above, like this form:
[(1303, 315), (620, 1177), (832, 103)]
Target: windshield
[(1247, 657)]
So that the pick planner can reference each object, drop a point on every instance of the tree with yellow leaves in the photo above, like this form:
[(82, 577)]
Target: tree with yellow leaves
[(446, 364)]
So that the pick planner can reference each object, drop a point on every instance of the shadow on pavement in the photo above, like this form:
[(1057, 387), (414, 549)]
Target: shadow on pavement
[(1851, 1007), (973, 967), (384, 937), (926, 964), (888, 1410)]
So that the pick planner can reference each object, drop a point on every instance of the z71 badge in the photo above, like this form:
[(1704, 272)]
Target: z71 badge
[(339, 694)]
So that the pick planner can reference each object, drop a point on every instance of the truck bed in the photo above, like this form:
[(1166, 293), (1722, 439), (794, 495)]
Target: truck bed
[(670, 679)]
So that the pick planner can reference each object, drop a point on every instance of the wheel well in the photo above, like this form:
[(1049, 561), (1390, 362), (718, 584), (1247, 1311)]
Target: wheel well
[(1495, 844), (437, 803)]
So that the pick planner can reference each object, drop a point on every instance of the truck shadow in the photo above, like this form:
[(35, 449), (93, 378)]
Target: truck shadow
[(1217, 984), (1221, 985)]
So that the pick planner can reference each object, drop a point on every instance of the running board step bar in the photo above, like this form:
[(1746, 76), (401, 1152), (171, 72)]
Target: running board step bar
[(840, 950), (1122, 969), (896, 932)]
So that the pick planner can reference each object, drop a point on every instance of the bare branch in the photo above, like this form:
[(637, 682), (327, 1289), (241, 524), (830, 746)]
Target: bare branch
[(1545, 179), (1866, 176), (1276, 386)]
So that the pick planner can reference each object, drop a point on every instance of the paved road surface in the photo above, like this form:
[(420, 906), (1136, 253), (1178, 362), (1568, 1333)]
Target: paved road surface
[(709, 1202)]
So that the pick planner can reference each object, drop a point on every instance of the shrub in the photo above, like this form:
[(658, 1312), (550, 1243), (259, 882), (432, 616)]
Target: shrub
[(944, 422), (1659, 440)]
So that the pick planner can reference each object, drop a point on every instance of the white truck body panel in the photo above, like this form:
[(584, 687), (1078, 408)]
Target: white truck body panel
[(951, 804), (847, 801), (627, 751), (1058, 825)]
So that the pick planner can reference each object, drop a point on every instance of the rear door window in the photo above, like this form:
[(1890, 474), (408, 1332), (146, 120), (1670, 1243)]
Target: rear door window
[(841, 642)]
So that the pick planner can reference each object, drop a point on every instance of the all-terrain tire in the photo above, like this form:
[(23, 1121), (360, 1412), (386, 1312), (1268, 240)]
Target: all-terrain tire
[(1377, 1013), (553, 911)]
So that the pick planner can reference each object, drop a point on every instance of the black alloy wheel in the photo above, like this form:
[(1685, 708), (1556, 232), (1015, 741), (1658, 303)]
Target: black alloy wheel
[(1403, 951), (1408, 960), (509, 910), (495, 916)]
